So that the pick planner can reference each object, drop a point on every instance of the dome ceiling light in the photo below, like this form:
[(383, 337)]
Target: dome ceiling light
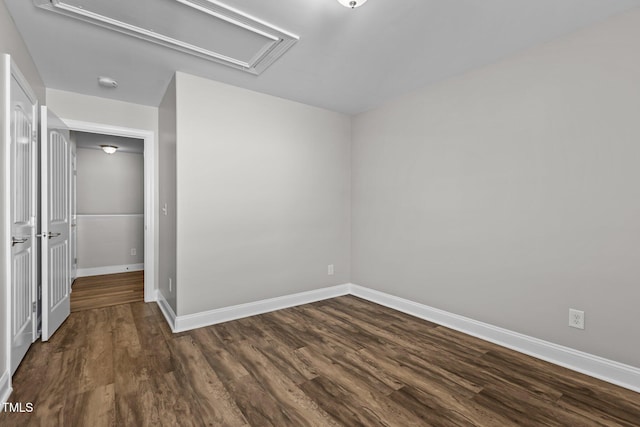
[(352, 3), (109, 149)]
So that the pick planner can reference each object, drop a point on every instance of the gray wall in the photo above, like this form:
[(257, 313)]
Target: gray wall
[(263, 190), (107, 240), (110, 201), (510, 194), (75, 106), (11, 43), (167, 191), (110, 183)]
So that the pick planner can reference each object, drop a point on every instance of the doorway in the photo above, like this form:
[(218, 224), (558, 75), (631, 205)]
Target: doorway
[(147, 217), (107, 217)]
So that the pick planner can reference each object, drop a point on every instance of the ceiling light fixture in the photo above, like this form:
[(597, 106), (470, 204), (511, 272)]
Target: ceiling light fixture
[(109, 149), (352, 3)]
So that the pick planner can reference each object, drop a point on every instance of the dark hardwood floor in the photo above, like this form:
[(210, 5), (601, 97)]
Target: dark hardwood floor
[(343, 361), (107, 290)]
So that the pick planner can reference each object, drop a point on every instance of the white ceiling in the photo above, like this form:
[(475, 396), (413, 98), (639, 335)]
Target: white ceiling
[(346, 60)]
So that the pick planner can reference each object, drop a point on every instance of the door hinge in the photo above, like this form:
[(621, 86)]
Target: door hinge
[(34, 306)]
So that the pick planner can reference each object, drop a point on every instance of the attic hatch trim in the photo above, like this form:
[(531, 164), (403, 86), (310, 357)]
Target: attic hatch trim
[(281, 40)]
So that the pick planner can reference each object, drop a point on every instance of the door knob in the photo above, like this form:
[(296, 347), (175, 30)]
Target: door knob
[(49, 235)]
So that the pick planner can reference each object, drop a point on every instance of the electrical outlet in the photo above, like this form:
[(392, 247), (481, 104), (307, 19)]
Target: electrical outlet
[(576, 318), (133, 251), (330, 269)]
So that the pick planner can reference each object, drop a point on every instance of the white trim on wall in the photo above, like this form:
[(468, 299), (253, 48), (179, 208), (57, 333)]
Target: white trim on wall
[(598, 367), (166, 310), (150, 165), (5, 387), (110, 269), (225, 314), (607, 370), (109, 215)]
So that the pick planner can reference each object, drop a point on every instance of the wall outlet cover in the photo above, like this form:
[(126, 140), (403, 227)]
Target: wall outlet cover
[(576, 318)]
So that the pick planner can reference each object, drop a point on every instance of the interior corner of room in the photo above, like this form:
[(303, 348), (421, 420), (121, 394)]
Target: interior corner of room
[(492, 201)]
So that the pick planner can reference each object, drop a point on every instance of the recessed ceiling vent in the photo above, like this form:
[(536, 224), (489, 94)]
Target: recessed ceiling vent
[(205, 28)]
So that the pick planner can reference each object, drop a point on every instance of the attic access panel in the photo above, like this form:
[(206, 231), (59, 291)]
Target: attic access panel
[(205, 28)]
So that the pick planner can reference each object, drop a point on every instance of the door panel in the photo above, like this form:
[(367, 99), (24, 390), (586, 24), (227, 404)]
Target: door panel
[(73, 237), (56, 265), (23, 142)]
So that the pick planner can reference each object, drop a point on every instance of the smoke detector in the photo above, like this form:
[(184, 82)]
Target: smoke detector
[(107, 82)]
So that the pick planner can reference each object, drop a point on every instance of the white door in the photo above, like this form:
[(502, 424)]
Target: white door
[(56, 263), (22, 217)]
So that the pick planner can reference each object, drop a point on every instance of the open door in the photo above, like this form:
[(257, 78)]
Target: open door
[(22, 210), (55, 216), (73, 237)]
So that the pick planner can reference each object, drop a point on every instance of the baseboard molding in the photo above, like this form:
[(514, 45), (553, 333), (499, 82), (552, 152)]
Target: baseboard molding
[(5, 387), (607, 370), (110, 269), (166, 310), (598, 367), (225, 314), (150, 295)]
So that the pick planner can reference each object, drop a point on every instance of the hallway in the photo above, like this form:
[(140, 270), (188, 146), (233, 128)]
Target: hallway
[(106, 290)]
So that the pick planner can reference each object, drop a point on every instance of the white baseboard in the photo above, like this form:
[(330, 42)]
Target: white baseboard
[(150, 295), (166, 309), (110, 269), (598, 367), (5, 387), (225, 314), (607, 370)]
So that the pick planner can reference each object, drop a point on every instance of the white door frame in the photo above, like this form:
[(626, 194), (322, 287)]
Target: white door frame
[(149, 191)]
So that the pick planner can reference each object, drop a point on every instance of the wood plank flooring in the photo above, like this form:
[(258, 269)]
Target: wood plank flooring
[(107, 290), (340, 362)]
